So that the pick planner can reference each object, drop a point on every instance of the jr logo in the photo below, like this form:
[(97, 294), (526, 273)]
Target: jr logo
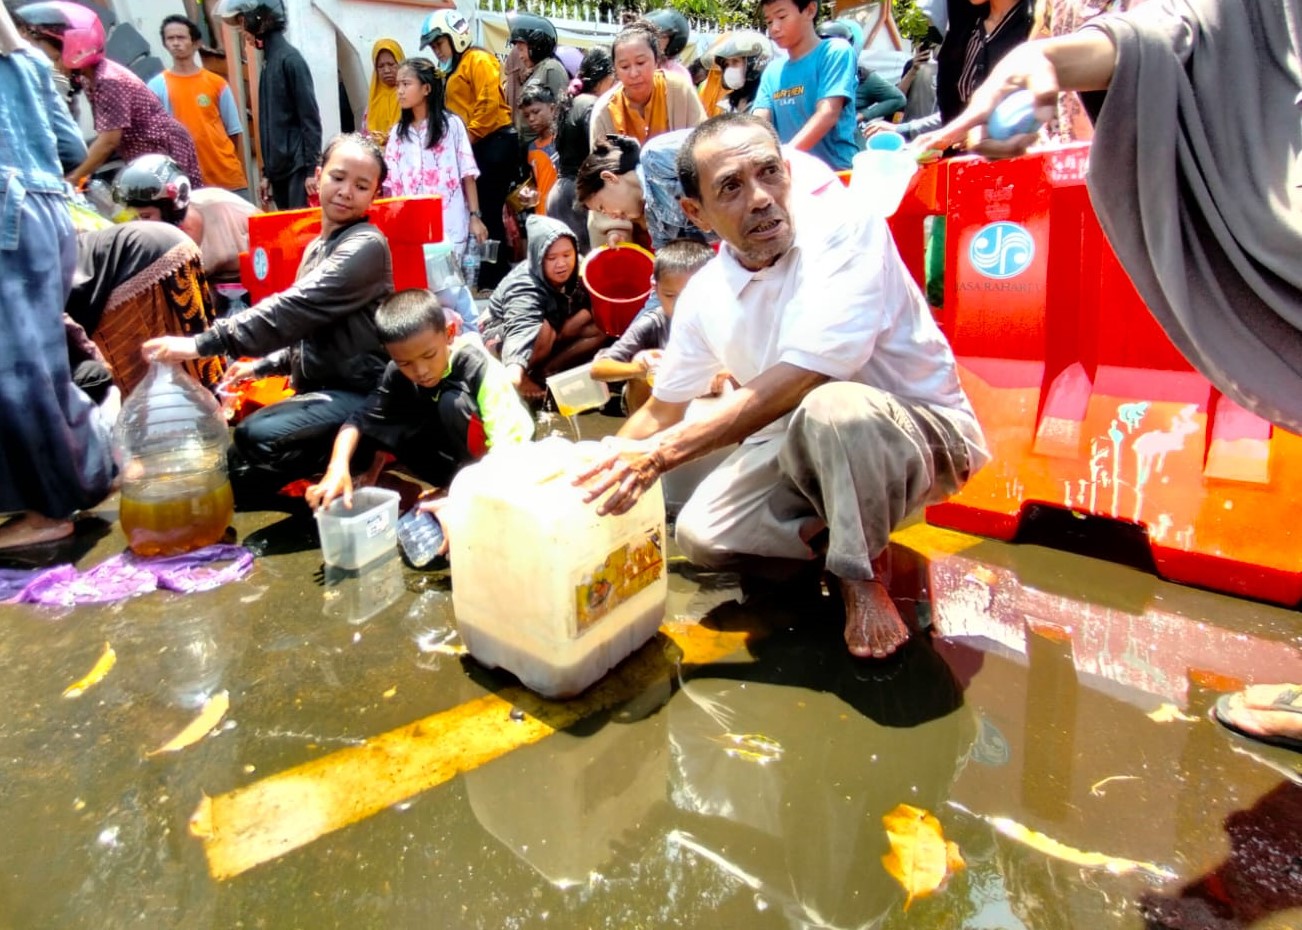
[(1002, 250)]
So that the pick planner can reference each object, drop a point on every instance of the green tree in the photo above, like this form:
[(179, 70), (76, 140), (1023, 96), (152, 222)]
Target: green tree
[(913, 24)]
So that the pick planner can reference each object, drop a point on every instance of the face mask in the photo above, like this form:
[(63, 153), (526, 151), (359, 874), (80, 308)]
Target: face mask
[(734, 78), (444, 66)]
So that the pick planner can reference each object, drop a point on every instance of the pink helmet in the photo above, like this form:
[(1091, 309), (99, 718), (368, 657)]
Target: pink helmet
[(77, 28)]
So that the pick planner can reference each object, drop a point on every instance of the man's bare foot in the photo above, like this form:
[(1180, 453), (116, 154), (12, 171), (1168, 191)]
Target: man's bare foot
[(873, 627), (31, 529)]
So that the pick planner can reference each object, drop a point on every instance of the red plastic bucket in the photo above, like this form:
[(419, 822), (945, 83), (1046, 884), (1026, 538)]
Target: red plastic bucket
[(619, 280)]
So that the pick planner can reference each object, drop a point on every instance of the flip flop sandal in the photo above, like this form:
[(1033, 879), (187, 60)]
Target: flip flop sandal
[(1289, 701)]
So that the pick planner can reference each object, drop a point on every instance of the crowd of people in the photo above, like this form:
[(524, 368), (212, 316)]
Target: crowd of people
[(831, 372)]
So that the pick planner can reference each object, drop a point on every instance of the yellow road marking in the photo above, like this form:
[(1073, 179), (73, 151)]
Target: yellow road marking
[(262, 821), (933, 541)]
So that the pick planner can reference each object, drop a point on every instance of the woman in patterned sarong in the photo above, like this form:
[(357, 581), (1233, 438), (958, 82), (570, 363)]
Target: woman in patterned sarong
[(137, 281)]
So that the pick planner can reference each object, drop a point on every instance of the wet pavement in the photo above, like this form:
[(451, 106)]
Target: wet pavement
[(735, 772)]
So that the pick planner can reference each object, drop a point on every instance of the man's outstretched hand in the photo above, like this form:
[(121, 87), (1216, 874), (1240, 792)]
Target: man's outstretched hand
[(627, 470)]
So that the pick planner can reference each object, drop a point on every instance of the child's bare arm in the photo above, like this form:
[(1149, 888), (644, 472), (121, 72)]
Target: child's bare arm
[(607, 369)]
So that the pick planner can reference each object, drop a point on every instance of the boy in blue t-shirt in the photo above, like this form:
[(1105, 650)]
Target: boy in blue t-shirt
[(809, 97)]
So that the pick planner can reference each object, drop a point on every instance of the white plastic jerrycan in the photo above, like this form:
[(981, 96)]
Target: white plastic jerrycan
[(541, 585), (880, 175)]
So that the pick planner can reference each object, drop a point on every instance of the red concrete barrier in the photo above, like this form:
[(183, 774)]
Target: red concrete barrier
[(277, 242), (1085, 403)]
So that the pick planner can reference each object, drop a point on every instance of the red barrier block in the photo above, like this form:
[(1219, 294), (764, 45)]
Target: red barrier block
[(277, 242), (1085, 403)]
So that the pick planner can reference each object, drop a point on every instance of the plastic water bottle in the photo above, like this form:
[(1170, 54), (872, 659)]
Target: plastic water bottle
[(420, 536), (470, 264)]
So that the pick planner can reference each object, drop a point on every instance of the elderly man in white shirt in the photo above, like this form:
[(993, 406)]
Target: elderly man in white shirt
[(850, 413)]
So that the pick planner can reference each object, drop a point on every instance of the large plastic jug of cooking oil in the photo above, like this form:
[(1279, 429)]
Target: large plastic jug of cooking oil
[(541, 585), (172, 440)]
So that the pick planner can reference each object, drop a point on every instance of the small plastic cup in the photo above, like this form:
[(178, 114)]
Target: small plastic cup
[(885, 141), (490, 250), (880, 178)]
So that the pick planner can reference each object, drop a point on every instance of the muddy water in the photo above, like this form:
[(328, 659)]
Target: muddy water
[(733, 774)]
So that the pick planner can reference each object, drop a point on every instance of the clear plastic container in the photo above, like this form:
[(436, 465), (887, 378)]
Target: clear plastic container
[(542, 585), (358, 535), (172, 439), (576, 391)]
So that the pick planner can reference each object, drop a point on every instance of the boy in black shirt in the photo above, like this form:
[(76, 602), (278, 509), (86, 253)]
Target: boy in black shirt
[(442, 402)]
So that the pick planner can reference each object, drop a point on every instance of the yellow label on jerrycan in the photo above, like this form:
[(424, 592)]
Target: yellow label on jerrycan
[(541, 585)]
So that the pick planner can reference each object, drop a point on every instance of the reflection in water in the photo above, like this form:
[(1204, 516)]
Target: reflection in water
[(431, 624), (1050, 723), (831, 745), (572, 805), (1148, 648), (751, 798), (193, 655), (356, 596)]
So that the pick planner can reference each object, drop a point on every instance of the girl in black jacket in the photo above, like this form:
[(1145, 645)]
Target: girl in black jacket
[(321, 331)]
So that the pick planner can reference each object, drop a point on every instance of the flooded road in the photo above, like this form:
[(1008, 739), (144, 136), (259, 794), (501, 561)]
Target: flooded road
[(733, 773)]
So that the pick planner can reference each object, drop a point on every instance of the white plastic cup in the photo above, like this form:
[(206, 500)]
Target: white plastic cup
[(881, 176), (490, 250), (885, 141)]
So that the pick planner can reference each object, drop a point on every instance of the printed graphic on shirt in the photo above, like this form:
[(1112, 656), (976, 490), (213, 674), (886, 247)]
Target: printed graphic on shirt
[(789, 93)]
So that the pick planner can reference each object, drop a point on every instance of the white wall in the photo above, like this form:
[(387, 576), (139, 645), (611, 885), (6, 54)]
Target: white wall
[(146, 16), (343, 32)]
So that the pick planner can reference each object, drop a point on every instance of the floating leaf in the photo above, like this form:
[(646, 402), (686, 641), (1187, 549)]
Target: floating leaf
[(201, 726), (108, 658), (1168, 713), (920, 859)]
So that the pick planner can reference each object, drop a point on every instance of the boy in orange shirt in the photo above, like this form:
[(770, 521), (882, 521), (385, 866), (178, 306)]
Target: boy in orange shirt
[(202, 102), (538, 108)]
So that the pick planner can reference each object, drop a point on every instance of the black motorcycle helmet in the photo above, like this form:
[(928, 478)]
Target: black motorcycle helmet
[(537, 33), (260, 16), (154, 181), (674, 24)]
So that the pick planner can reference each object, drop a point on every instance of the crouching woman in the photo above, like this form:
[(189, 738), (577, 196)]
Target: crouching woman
[(321, 330)]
